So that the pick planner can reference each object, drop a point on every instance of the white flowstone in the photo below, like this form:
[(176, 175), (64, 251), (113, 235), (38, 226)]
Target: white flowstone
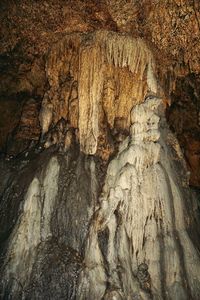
[(32, 227), (48, 195), (142, 207)]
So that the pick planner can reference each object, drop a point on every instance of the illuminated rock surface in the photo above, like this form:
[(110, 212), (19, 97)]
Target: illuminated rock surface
[(94, 77), (138, 245), (95, 201)]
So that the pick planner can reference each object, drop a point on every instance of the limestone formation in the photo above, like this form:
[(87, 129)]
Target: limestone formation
[(100, 208), (143, 209), (94, 74), (30, 29), (31, 229), (136, 241)]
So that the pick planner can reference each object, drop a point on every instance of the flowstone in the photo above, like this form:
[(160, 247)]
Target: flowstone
[(147, 251)]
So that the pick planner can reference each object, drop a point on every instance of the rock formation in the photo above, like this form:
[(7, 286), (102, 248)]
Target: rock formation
[(96, 163), (142, 221), (96, 77)]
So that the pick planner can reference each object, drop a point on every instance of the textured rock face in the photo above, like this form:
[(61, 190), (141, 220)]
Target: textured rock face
[(183, 118), (98, 205), (30, 28)]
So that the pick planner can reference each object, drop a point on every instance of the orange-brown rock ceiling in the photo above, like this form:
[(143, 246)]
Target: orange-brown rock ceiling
[(171, 26), (31, 31)]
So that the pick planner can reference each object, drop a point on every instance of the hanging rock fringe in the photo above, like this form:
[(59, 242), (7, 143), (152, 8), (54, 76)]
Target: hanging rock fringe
[(87, 58)]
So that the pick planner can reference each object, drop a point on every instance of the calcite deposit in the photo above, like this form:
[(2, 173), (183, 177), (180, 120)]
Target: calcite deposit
[(96, 77), (99, 150), (30, 30), (142, 220)]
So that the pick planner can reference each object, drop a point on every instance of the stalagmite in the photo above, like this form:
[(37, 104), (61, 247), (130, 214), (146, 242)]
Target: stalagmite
[(141, 208)]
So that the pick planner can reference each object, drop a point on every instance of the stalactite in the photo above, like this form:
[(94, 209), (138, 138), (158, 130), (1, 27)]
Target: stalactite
[(89, 93), (91, 60), (125, 51)]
